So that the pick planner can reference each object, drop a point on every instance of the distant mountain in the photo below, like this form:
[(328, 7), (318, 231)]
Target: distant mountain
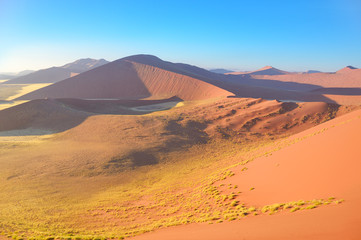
[(5, 76), (220, 70), (14, 75), (56, 74), (23, 73), (85, 64), (313, 71), (268, 70)]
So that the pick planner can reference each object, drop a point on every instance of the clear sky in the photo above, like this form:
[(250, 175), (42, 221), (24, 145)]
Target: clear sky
[(239, 35)]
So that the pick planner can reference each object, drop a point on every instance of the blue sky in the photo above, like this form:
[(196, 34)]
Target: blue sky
[(238, 35)]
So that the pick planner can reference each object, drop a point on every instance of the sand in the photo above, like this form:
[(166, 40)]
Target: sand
[(321, 166)]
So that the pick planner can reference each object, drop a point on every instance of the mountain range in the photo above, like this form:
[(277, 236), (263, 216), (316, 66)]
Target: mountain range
[(56, 74)]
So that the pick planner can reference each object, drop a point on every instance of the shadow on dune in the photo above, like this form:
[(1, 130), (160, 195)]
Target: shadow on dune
[(44, 116), (273, 94), (339, 91), (269, 83), (179, 136), (131, 160)]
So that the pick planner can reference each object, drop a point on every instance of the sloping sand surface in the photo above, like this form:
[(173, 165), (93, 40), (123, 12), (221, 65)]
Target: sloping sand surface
[(326, 163)]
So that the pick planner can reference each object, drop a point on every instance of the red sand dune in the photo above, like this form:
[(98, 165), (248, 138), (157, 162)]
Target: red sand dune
[(325, 164), (128, 79)]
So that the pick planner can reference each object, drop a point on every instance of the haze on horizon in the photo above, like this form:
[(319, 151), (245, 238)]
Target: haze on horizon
[(237, 35)]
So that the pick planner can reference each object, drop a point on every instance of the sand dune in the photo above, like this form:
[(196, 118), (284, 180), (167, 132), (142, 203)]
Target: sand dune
[(324, 164)]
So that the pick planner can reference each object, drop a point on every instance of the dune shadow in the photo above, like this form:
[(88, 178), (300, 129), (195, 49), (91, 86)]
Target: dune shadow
[(188, 133), (339, 91), (45, 116), (131, 160), (271, 93), (280, 85)]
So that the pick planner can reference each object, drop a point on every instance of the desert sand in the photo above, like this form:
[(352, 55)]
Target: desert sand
[(323, 164)]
